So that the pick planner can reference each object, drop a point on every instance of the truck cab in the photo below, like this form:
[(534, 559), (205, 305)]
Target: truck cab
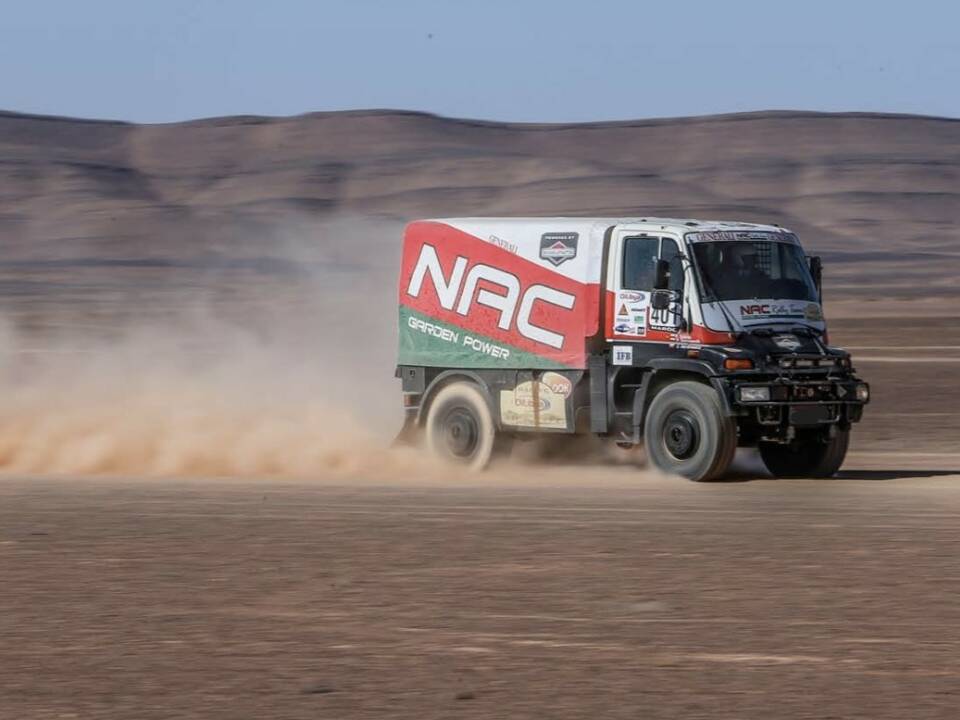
[(690, 337)]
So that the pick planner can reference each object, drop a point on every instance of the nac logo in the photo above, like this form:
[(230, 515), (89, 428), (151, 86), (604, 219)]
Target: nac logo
[(459, 293)]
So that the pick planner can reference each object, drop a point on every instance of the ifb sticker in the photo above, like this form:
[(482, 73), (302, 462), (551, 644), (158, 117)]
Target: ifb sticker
[(623, 355)]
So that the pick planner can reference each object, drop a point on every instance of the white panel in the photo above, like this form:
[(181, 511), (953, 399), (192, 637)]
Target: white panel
[(523, 236)]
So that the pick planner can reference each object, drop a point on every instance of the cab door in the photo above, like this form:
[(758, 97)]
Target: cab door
[(631, 271)]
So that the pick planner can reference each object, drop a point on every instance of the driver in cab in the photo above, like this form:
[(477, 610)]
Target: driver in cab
[(740, 275)]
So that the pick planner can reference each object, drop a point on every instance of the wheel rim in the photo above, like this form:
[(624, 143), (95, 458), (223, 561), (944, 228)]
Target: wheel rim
[(681, 434), (461, 433)]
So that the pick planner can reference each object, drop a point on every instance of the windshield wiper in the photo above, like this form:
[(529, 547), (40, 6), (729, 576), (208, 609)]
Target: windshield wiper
[(802, 330), (711, 296), (808, 330)]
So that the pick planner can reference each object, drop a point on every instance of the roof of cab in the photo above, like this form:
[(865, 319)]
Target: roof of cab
[(676, 224)]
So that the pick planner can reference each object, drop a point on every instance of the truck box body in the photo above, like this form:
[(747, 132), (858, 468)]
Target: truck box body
[(500, 293)]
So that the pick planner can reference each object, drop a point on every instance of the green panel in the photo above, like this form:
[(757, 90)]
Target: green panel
[(434, 343)]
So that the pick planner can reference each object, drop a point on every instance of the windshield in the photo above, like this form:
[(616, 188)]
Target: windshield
[(745, 269)]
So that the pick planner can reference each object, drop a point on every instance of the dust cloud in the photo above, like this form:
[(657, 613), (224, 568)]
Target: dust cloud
[(292, 374)]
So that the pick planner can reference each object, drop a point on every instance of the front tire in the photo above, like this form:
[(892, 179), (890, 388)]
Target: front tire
[(460, 427), (808, 457), (687, 434)]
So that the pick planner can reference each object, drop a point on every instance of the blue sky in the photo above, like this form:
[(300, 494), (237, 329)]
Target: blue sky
[(524, 60)]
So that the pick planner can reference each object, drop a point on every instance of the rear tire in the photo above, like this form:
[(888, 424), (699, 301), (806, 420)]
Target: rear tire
[(808, 457), (460, 427), (687, 434)]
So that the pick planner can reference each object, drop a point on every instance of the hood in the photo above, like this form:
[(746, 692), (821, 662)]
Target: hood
[(770, 342)]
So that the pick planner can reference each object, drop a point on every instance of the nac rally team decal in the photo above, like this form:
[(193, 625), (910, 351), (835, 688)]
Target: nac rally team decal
[(781, 311), (466, 302)]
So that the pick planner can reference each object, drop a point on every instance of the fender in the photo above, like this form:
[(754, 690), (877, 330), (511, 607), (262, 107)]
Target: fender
[(697, 367), (694, 367)]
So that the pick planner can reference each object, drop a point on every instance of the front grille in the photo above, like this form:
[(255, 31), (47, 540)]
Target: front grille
[(799, 362), (811, 393)]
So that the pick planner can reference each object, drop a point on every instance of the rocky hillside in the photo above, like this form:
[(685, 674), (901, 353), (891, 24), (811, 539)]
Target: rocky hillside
[(859, 187)]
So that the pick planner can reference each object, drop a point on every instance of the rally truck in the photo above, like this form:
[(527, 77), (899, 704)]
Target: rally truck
[(690, 337)]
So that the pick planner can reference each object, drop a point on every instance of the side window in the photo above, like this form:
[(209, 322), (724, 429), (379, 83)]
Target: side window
[(639, 255), (671, 253)]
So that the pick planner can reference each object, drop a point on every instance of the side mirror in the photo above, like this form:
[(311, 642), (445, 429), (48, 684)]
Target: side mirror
[(661, 278), (660, 299), (816, 270)]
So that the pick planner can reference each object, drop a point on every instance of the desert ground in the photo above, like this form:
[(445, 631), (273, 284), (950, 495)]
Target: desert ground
[(535, 597), (200, 515)]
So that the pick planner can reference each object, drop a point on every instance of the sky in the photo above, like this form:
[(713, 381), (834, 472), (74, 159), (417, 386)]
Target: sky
[(519, 60)]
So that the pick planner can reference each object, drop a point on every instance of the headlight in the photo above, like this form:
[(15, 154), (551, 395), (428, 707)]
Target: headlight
[(754, 394), (863, 392)]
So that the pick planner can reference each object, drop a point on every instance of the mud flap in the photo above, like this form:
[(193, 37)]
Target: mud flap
[(599, 419), (409, 434)]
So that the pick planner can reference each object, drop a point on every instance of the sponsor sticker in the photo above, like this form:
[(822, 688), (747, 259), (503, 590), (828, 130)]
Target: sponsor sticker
[(623, 355), (638, 328), (728, 235), (633, 301), (505, 244), (558, 247), (558, 384), (536, 404), (631, 317)]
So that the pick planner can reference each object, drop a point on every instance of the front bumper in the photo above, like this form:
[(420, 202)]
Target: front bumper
[(798, 402)]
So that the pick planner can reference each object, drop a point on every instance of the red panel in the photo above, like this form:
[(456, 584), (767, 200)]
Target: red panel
[(450, 243), (711, 337)]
